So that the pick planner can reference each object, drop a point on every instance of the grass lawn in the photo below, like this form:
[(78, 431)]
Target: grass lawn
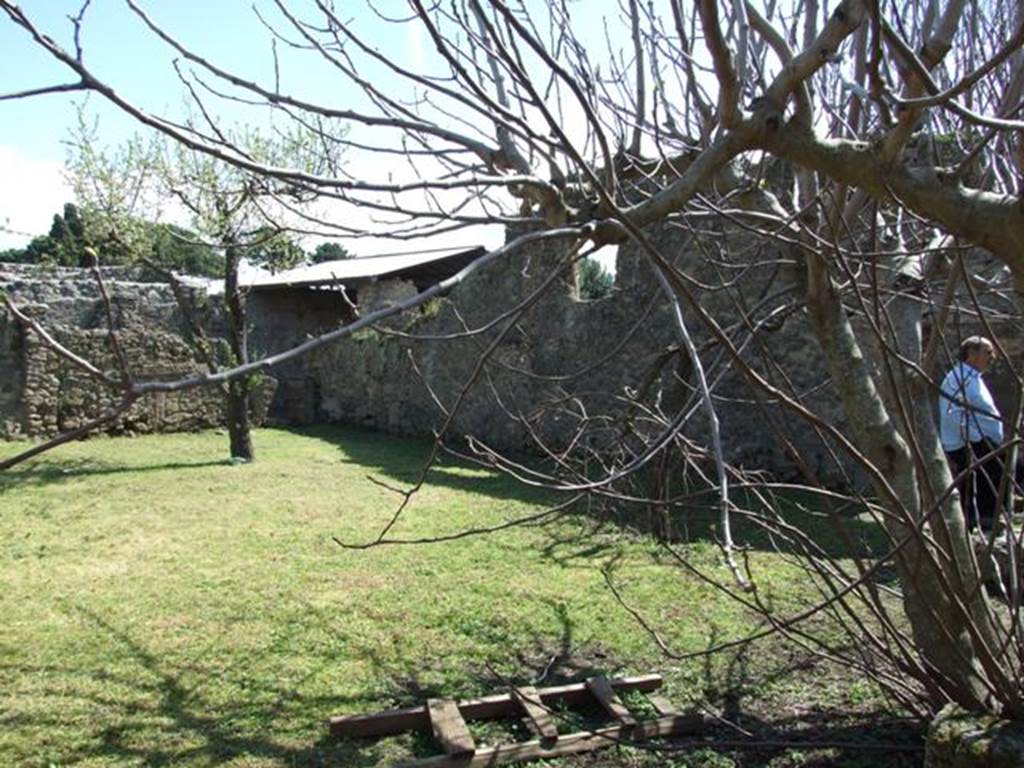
[(161, 606)]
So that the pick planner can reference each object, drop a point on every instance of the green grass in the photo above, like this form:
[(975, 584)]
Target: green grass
[(161, 606)]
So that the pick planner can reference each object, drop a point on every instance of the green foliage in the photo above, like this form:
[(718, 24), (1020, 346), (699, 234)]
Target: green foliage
[(65, 245), (330, 252), (594, 280), (76, 240), (124, 192), (15, 255), (181, 250), (273, 250)]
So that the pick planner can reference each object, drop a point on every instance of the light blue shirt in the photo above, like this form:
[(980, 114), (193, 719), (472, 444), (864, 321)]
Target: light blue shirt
[(967, 412)]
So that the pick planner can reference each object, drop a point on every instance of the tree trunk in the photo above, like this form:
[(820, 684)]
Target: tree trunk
[(945, 624), (238, 389), (238, 420)]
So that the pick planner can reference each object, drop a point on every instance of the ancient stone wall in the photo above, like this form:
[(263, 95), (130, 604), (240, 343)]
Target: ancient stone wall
[(42, 393), (59, 397), (603, 371)]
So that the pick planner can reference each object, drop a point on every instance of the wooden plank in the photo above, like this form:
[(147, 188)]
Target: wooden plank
[(449, 728), (584, 741), (529, 699), (486, 708), (662, 706), (606, 697)]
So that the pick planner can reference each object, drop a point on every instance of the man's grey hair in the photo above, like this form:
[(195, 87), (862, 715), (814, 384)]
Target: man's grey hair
[(973, 344)]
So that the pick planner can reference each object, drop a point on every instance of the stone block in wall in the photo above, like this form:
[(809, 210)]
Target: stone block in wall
[(384, 293), (532, 376), (59, 396), (261, 398)]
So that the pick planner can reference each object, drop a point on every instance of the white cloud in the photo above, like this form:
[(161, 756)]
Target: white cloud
[(31, 191)]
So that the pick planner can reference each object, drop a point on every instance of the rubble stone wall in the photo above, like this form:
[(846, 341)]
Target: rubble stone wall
[(59, 396), (42, 393), (564, 361)]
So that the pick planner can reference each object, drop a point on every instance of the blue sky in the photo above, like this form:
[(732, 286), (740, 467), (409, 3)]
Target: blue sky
[(120, 50)]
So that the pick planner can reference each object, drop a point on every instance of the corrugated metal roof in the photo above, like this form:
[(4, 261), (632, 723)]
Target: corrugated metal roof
[(368, 268)]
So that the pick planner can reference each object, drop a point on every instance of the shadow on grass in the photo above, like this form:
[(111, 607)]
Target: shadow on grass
[(155, 712), (40, 473), (151, 709), (398, 461), (537, 660), (804, 728)]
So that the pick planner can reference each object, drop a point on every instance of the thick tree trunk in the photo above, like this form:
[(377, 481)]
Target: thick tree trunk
[(944, 623)]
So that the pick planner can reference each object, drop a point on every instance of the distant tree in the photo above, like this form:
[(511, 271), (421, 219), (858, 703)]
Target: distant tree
[(232, 216), (68, 235), (181, 250), (330, 251), (40, 250), (274, 250), (64, 245), (596, 282), (75, 240)]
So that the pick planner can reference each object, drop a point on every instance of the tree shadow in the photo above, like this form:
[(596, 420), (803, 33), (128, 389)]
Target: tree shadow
[(736, 690), (44, 473), (399, 461), (189, 721), (775, 525), (729, 689), (538, 660)]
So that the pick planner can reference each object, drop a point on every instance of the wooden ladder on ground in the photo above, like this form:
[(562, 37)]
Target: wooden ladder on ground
[(447, 719)]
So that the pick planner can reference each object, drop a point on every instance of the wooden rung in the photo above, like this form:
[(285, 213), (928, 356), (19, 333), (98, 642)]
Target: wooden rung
[(529, 699), (606, 696), (449, 728), (486, 708), (585, 741), (662, 706)]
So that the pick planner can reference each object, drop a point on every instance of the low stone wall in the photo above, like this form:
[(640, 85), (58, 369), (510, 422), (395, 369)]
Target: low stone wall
[(960, 739), (603, 372), (59, 396), (42, 393)]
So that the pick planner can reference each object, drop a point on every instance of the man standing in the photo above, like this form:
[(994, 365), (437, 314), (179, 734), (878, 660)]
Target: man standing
[(971, 430)]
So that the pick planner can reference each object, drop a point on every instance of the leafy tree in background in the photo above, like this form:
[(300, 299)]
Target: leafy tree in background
[(63, 246), (595, 281), (70, 244), (330, 251), (179, 249), (274, 250), (67, 234), (234, 217)]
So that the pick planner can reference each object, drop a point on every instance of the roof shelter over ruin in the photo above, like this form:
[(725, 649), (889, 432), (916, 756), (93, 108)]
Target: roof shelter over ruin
[(421, 269)]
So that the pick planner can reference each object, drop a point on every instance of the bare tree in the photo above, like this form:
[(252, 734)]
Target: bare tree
[(872, 146)]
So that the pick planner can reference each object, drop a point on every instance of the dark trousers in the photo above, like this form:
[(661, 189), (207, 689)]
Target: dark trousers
[(979, 488)]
